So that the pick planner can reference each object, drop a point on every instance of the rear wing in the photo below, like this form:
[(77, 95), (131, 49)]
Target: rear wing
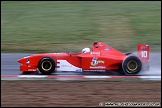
[(143, 53)]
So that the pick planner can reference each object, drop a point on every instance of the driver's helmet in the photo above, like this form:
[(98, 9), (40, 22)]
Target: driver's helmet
[(85, 50)]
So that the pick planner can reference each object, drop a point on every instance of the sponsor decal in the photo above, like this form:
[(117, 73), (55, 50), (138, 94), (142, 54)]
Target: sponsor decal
[(94, 70), (79, 70), (143, 47), (99, 44), (95, 52), (106, 48), (63, 65), (27, 57), (56, 53), (27, 61), (95, 61), (94, 67), (31, 69)]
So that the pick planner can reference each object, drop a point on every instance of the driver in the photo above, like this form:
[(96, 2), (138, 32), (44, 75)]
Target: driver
[(85, 50)]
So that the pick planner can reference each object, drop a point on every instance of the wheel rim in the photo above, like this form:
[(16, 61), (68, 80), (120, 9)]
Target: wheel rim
[(132, 65), (46, 65)]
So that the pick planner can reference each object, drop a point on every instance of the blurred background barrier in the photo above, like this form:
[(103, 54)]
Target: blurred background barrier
[(48, 26)]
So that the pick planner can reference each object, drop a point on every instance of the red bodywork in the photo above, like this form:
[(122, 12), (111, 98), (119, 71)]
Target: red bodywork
[(101, 57)]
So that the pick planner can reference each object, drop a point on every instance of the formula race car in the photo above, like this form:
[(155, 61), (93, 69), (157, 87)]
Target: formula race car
[(101, 57)]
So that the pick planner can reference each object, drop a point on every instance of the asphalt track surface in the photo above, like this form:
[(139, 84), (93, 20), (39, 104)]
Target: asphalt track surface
[(10, 66)]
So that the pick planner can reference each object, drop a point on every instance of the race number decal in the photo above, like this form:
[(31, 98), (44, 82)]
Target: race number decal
[(144, 54)]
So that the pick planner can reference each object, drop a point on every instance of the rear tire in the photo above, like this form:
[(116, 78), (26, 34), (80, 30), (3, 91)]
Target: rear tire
[(46, 65), (131, 65)]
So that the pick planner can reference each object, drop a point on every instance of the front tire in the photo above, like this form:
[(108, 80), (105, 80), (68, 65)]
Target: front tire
[(131, 65), (46, 65)]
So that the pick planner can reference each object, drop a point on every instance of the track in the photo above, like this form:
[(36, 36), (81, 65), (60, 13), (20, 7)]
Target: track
[(10, 66)]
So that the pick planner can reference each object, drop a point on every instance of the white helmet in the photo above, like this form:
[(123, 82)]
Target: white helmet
[(85, 50)]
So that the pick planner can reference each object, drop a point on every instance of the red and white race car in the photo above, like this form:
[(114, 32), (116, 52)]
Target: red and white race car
[(101, 57)]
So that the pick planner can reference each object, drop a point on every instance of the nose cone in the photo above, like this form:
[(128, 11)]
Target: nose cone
[(21, 60)]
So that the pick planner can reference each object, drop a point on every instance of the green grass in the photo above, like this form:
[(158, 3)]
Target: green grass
[(44, 26)]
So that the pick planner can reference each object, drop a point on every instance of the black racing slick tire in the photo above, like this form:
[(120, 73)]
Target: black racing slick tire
[(46, 65), (131, 65)]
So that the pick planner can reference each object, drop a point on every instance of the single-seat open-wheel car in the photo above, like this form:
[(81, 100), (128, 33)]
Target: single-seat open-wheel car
[(101, 57)]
